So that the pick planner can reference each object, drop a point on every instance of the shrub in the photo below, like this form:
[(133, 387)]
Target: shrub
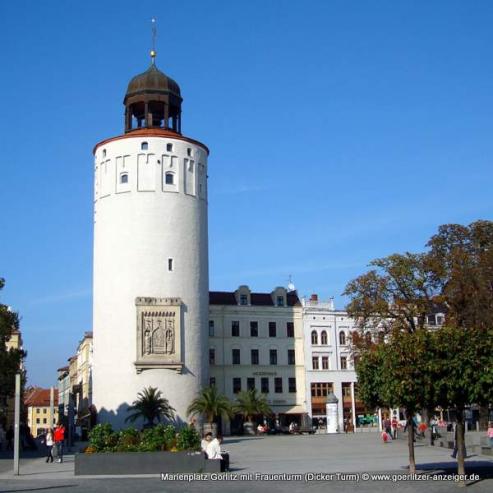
[(160, 437), (102, 438), (128, 440), (188, 439)]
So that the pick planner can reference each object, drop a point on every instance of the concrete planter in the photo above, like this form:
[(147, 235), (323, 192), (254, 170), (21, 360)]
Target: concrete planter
[(143, 463)]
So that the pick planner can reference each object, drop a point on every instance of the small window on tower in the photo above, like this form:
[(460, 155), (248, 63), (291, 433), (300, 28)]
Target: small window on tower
[(189, 151), (144, 146), (124, 178), (169, 179), (170, 264), (169, 147), (104, 152)]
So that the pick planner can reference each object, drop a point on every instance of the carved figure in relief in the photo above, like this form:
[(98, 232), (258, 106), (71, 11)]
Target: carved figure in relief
[(170, 337), (147, 342)]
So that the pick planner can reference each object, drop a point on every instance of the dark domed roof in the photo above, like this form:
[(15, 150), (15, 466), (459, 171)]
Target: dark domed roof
[(152, 81)]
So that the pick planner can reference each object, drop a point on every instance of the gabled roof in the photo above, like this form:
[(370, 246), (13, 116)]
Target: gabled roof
[(38, 397)]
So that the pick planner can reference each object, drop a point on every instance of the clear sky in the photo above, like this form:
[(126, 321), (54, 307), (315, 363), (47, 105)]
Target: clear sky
[(340, 131)]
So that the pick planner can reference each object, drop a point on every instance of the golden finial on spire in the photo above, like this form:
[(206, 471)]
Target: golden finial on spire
[(154, 34)]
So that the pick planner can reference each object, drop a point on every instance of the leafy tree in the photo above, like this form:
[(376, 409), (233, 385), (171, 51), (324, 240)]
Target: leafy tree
[(461, 259), (462, 370), (396, 294), (150, 405), (11, 359), (211, 403), (250, 402)]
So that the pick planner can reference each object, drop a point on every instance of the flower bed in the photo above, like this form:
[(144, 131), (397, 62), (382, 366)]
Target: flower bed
[(155, 450)]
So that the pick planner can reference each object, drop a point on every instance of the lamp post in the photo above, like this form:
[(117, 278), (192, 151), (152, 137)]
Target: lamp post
[(17, 418)]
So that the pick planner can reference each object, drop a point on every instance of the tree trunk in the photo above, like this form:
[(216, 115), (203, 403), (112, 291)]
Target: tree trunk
[(410, 443), (460, 442)]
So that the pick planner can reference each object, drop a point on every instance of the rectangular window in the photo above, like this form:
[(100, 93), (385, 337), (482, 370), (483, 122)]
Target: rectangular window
[(44, 421), (45, 410), (250, 383), (431, 320), (236, 356), (272, 329), (292, 385), (170, 264), (273, 356), (236, 385), (290, 329), (325, 362), (278, 385), (211, 328), (212, 381), (38, 421), (169, 147), (343, 363), (346, 389), (315, 362), (253, 329), (235, 328), (212, 356), (243, 299), (254, 354), (280, 301), (264, 385), (291, 357)]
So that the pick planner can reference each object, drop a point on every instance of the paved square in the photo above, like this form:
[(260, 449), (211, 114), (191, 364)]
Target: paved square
[(358, 453)]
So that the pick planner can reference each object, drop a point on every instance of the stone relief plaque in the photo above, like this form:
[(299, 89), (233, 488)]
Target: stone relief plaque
[(158, 333)]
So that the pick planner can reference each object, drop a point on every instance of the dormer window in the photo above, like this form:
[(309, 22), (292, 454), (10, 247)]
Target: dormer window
[(280, 301), (144, 146), (243, 299)]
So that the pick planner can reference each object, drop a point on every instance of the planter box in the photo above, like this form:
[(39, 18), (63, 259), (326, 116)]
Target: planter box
[(143, 463)]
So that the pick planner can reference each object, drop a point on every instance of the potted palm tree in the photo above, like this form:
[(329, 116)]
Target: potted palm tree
[(151, 406), (211, 404), (250, 403)]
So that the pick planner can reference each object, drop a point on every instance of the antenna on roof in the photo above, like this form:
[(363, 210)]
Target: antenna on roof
[(154, 35), (291, 286)]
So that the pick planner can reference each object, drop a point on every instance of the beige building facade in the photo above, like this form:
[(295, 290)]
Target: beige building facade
[(256, 341), (40, 415)]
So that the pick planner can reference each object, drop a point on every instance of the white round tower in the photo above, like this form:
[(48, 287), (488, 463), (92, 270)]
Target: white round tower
[(151, 284)]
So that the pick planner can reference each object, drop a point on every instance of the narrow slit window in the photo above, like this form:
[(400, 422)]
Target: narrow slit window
[(170, 264), (124, 178), (169, 147), (144, 146), (104, 152), (189, 151)]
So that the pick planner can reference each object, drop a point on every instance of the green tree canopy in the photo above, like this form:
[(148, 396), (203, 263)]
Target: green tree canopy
[(11, 359)]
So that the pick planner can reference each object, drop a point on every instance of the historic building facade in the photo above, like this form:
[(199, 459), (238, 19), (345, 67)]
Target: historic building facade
[(40, 416), (150, 308), (329, 363), (256, 341)]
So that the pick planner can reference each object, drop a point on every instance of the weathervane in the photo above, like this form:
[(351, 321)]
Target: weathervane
[(154, 34)]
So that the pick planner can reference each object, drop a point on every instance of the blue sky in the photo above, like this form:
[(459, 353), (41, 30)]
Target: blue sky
[(340, 131)]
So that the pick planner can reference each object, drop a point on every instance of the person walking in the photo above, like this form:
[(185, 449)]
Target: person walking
[(394, 425), (59, 439), (49, 441), (490, 433)]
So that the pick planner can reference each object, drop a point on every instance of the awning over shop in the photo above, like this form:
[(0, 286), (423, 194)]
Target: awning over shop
[(288, 409)]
